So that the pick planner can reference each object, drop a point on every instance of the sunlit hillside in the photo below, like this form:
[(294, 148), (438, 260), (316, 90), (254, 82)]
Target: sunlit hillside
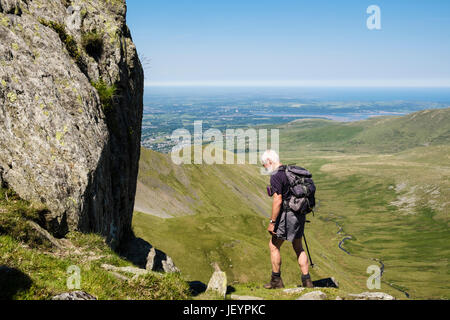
[(383, 182)]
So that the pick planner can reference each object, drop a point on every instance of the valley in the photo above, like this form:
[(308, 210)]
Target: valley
[(385, 181)]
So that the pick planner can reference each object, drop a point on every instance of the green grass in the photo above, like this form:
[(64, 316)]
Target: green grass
[(392, 201), (377, 135), (357, 192), (255, 289), (385, 188), (38, 272), (106, 93)]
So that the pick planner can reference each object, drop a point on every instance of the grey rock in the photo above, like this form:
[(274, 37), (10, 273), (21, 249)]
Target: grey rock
[(132, 270), (145, 256), (159, 261), (119, 276), (60, 146), (294, 290), (245, 298), (314, 295), (59, 244), (74, 20), (75, 295), (371, 296), (9, 6), (218, 282)]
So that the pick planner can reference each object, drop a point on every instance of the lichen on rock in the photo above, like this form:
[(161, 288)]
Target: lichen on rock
[(58, 145)]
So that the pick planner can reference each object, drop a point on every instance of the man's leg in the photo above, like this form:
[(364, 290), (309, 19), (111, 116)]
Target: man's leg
[(275, 253), (275, 256), (302, 257), (303, 262)]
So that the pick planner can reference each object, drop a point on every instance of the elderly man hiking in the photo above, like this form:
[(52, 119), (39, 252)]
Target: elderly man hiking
[(285, 225)]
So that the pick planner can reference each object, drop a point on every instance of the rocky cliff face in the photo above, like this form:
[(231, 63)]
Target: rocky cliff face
[(71, 88)]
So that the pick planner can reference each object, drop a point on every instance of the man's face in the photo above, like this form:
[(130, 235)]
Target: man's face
[(268, 166)]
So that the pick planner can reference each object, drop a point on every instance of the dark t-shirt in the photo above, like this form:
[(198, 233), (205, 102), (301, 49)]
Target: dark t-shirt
[(280, 183)]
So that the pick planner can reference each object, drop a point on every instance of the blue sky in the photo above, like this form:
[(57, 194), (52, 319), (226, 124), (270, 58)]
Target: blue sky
[(292, 42)]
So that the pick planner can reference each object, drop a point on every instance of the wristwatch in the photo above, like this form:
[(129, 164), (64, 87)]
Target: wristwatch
[(272, 222)]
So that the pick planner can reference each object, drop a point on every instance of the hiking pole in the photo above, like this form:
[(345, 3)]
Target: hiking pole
[(306, 243)]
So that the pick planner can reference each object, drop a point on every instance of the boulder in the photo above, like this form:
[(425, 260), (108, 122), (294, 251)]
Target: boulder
[(71, 103), (145, 256), (245, 298), (130, 270), (75, 295), (44, 235), (159, 261), (218, 282), (371, 296), (294, 290), (314, 295)]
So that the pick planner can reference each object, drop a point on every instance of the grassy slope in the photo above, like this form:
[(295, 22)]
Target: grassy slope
[(169, 190), (387, 184), (374, 179), (411, 238), (227, 227), (376, 135), (40, 271)]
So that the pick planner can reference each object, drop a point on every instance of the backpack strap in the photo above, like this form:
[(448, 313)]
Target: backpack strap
[(285, 205)]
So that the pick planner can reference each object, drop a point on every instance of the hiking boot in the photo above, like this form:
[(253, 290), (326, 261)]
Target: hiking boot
[(275, 283), (307, 282)]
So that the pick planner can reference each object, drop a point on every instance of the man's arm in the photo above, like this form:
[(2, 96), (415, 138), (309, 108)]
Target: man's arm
[(276, 209), (276, 206)]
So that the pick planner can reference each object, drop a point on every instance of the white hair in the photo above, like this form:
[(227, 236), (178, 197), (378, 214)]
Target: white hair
[(270, 155)]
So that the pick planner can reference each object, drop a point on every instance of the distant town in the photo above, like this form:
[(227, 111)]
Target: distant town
[(166, 112)]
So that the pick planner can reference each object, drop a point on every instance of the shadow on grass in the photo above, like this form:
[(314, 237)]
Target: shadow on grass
[(325, 283), (12, 281), (197, 287)]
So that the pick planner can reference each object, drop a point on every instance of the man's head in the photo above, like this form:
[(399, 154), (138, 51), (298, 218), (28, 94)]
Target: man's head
[(270, 161)]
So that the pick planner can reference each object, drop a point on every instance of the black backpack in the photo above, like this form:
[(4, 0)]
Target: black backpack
[(303, 190)]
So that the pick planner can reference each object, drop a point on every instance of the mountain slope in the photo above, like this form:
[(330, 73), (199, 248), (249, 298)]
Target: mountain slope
[(391, 208), (169, 190), (376, 135)]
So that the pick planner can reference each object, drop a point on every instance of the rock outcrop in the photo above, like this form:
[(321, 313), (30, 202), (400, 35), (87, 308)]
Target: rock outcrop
[(74, 296), (147, 257), (218, 282), (245, 298), (314, 295), (371, 296), (71, 87)]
